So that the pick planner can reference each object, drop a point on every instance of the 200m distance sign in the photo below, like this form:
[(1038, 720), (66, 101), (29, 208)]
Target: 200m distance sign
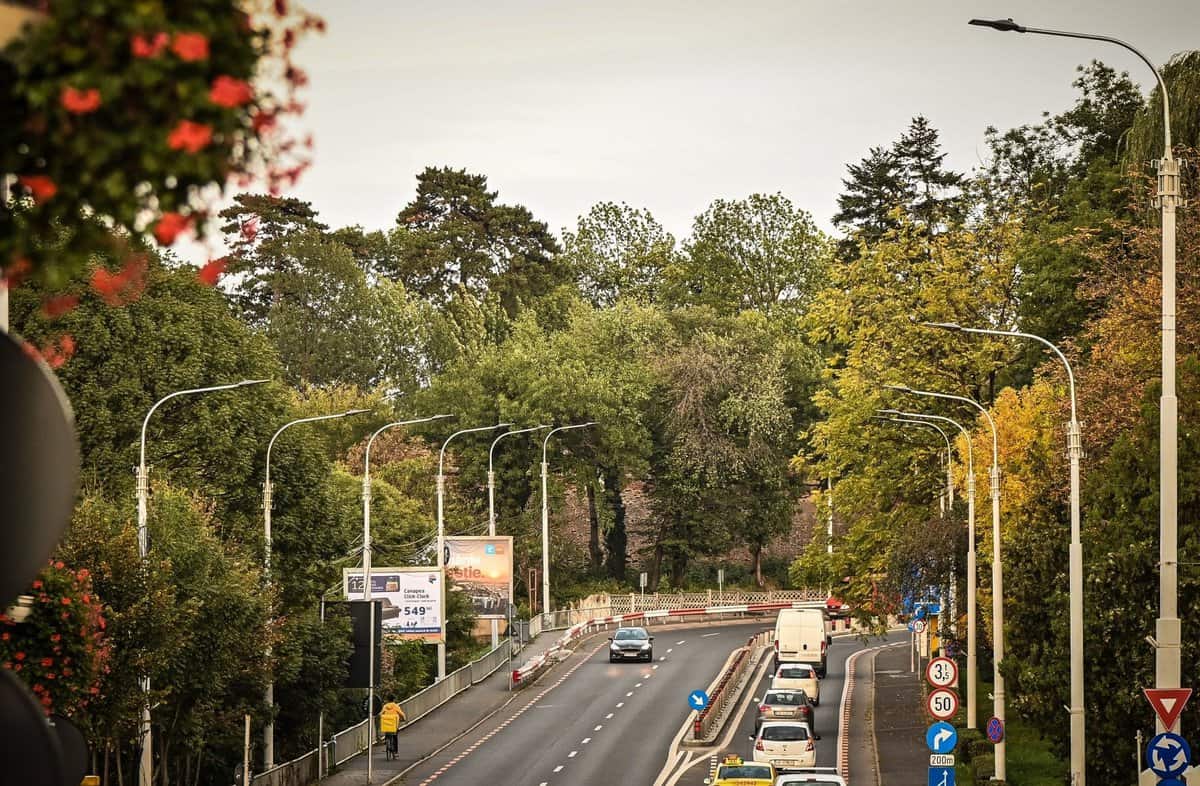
[(942, 703)]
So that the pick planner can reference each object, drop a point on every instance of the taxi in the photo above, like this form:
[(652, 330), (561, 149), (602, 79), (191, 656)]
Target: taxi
[(733, 771)]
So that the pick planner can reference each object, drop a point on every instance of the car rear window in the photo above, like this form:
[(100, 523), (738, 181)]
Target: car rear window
[(789, 699), (785, 733), (745, 771), (795, 672), (807, 782)]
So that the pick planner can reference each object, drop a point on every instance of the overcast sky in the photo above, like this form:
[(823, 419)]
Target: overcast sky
[(668, 105)]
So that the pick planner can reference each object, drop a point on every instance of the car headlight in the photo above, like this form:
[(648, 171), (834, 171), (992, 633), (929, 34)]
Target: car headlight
[(645, 645), (614, 647)]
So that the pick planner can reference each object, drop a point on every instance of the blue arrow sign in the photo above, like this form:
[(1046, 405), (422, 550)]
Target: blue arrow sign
[(919, 613), (941, 776), (941, 737), (1168, 755), (697, 700)]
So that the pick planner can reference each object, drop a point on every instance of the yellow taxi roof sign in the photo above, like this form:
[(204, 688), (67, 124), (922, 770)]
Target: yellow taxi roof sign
[(732, 758)]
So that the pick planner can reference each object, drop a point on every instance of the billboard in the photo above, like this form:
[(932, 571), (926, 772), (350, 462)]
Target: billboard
[(412, 600), (482, 568)]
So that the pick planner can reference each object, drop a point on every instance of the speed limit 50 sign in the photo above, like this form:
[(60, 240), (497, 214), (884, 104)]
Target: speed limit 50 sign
[(942, 703), (942, 673)]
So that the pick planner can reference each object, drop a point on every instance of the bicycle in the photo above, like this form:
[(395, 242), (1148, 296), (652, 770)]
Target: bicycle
[(390, 749)]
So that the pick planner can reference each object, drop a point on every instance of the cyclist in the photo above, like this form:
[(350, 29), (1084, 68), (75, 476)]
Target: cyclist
[(390, 718)]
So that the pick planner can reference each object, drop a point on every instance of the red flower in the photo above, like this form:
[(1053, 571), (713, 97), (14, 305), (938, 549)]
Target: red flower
[(117, 289), (190, 47), (19, 656), (5, 636), (59, 565), (47, 662), (37, 584), (82, 574), (210, 273), (229, 92), (66, 601), (53, 308), (56, 637), (144, 46), (80, 102), (169, 227), (86, 598), (189, 136), (67, 345), (41, 186)]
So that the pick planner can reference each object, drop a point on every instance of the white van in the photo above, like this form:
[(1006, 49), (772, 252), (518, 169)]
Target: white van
[(802, 636)]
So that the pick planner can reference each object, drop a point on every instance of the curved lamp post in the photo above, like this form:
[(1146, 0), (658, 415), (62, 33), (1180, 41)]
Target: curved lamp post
[(491, 483), (441, 535), (367, 555), (546, 515), (146, 761), (972, 589), (269, 729), (1075, 452), (1167, 635), (997, 569)]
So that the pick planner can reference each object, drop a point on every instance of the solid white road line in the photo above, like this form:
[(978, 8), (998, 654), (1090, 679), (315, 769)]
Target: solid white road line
[(706, 635)]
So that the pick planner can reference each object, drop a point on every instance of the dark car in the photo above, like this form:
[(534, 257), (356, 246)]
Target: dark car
[(784, 705), (631, 644)]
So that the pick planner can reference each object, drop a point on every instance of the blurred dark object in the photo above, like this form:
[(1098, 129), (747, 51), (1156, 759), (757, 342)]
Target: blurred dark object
[(39, 467), (30, 753), (74, 749)]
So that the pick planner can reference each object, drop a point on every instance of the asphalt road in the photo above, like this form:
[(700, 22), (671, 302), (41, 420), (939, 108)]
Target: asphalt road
[(592, 722), (826, 717)]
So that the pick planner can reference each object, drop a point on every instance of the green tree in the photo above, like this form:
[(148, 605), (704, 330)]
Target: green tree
[(618, 251), (756, 253), (455, 234), (874, 188)]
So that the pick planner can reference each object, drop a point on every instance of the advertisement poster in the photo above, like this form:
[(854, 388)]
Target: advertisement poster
[(412, 600), (482, 567)]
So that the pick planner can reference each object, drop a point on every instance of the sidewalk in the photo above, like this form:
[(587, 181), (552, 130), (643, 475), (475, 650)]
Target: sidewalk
[(419, 740), (899, 720)]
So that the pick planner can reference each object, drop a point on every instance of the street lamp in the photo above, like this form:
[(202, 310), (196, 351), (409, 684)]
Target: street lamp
[(367, 554), (491, 482), (269, 730), (1074, 451), (546, 515), (972, 653), (441, 536), (1167, 666), (997, 570), (146, 762)]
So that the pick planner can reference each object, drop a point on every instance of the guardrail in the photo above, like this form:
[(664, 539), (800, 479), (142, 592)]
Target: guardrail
[(578, 622), (725, 689)]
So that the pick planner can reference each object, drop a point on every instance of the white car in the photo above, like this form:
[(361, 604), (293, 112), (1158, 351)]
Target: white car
[(816, 776), (798, 676), (786, 745)]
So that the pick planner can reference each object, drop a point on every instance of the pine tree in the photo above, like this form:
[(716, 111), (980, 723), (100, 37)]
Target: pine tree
[(936, 192), (875, 188)]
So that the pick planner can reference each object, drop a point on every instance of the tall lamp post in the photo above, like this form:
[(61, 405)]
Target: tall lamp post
[(269, 730), (997, 571), (972, 653), (491, 482), (1168, 636), (367, 555), (441, 535), (1075, 452), (146, 762), (546, 514)]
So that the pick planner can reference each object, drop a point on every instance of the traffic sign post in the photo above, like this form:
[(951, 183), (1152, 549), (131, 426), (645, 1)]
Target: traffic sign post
[(697, 700), (942, 703), (941, 776)]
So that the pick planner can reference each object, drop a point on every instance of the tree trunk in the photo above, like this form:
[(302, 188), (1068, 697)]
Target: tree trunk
[(679, 564), (758, 577), (655, 567), (597, 557), (616, 538)]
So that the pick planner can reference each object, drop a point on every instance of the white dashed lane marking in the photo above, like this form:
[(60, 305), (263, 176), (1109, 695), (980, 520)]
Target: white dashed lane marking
[(558, 768), (585, 740), (620, 704), (599, 727), (606, 717), (572, 754)]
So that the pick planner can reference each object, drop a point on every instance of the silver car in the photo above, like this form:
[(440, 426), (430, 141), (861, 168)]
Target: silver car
[(630, 644)]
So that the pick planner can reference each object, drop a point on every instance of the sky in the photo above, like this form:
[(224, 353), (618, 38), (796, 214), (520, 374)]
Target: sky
[(670, 104)]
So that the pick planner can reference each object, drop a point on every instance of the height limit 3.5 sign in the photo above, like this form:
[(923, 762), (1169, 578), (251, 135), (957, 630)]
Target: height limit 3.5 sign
[(942, 673)]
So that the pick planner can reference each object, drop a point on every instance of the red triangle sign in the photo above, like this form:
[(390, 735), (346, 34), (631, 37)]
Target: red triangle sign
[(1168, 703)]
